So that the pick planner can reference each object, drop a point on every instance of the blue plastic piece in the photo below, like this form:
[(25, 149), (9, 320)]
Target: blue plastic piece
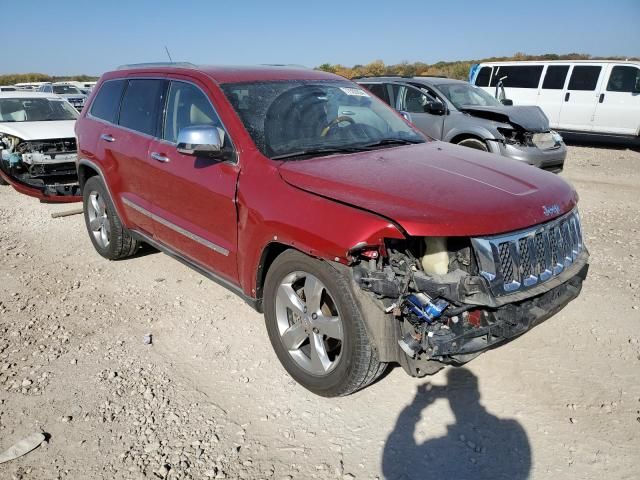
[(428, 311)]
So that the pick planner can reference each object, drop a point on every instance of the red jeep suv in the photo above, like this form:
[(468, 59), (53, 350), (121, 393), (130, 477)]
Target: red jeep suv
[(362, 241)]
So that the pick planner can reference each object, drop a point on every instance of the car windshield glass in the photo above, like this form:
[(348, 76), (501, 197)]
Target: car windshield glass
[(288, 119), (464, 94), (65, 90), (35, 110)]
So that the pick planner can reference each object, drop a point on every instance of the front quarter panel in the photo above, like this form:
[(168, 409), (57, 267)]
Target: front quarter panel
[(270, 210)]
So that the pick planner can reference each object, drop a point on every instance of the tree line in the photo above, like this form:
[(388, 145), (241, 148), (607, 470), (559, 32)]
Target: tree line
[(458, 69), (13, 78)]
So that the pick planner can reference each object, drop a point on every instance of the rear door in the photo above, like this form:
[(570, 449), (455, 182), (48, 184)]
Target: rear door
[(551, 96), (194, 199), (581, 97), (126, 147), (618, 107)]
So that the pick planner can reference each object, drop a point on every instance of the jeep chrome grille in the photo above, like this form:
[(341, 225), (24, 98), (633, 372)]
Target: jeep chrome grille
[(518, 261)]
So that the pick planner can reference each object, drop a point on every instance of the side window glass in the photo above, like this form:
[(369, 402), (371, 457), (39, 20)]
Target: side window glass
[(624, 79), (107, 102), (521, 76), (555, 77), (140, 104), (380, 91), (584, 77), (482, 80), (414, 100), (187, 105)]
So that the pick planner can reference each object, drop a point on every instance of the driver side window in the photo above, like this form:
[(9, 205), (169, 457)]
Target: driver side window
[(187, 105), (414, 101)]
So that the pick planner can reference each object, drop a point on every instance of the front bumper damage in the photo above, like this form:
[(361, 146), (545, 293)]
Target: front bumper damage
[(425, 320), (44, 169)]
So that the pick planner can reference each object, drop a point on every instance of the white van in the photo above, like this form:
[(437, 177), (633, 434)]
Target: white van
[(595, 98)]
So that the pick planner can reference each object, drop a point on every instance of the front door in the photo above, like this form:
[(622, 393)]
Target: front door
[(194, 198), (413, 102), (580, 98), (551, 95), (618, 108)]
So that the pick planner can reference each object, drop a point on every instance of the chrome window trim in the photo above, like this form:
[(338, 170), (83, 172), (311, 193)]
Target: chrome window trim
[(551, 248), (162, 112), (176, 228)]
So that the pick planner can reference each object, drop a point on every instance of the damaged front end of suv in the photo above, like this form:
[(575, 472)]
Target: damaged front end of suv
[(38, 147), (451, 298)]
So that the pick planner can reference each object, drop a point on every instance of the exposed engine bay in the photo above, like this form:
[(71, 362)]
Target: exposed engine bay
[(445, 303), (48, 165)]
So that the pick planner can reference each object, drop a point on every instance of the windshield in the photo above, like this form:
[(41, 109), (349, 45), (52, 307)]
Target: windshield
[(35, 110), (65, 90), (295, 118), (465, 94)]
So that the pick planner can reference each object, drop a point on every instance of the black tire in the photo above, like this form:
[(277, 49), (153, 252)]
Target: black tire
[(358, 364), (474, 143), (121, 244), (3, 181)]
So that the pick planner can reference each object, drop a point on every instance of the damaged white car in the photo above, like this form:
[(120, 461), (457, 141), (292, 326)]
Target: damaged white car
[(38, 145)]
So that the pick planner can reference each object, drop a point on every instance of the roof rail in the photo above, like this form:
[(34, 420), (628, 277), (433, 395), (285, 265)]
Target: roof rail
[(399, 76), (157, 65)]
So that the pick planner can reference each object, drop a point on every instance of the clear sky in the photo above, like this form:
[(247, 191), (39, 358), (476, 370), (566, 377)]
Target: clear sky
[(63, 37)]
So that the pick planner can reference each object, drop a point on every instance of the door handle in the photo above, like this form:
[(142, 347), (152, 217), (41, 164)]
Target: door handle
[(159, 157), (601, 98), (107, 138), (566, 96)]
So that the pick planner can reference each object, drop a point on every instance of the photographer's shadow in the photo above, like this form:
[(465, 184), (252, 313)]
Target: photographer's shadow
[(477, 446)]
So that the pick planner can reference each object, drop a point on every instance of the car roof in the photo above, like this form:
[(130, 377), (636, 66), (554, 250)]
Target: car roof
[(413, 80), (230, 74), (516, 62), (27, 94)]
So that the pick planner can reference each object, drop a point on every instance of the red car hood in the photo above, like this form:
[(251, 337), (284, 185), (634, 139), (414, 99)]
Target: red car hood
[(437, 189)]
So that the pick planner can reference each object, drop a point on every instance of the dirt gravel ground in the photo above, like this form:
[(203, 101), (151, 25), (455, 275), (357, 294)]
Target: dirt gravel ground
[(208, 398)]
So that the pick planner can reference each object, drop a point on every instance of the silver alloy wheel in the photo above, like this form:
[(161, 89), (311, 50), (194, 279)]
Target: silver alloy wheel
[(98, 219), (309, 323)]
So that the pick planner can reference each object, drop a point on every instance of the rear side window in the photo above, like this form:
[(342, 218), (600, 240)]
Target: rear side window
[(140, 104), (521, 76), (584, 77), (379, 90), (105, 105), (555, 77), (624, 79), (187, 105), (482, 80)]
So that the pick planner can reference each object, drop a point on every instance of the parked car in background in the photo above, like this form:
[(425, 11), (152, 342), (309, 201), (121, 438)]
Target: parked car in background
[(38, 146), (70, 92), (363, 241), (457, 112), (582, 98)]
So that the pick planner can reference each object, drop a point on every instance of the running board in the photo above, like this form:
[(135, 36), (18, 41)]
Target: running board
[(254, 303)]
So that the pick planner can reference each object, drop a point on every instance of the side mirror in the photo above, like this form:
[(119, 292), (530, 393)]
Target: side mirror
[(406, 115), (506, 101), (200, 140), (435, 108)]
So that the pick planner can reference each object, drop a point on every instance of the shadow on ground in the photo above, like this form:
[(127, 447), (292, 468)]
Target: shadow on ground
[(478, 445)]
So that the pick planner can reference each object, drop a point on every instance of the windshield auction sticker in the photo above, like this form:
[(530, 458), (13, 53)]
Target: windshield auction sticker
[(355, 92)]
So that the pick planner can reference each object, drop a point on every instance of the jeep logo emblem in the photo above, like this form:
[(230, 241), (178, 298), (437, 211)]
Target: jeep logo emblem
[(551, 210)]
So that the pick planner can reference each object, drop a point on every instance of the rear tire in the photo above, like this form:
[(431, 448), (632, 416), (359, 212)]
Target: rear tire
[(301, 294), (474, 143), (3, 182), (108, 236)]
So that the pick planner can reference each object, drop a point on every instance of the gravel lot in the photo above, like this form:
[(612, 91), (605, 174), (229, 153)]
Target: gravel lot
[(208, 399)]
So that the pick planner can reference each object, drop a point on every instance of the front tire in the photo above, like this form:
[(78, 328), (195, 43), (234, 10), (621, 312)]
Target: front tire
[(474, 143), (108, 236), (316, 327)]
